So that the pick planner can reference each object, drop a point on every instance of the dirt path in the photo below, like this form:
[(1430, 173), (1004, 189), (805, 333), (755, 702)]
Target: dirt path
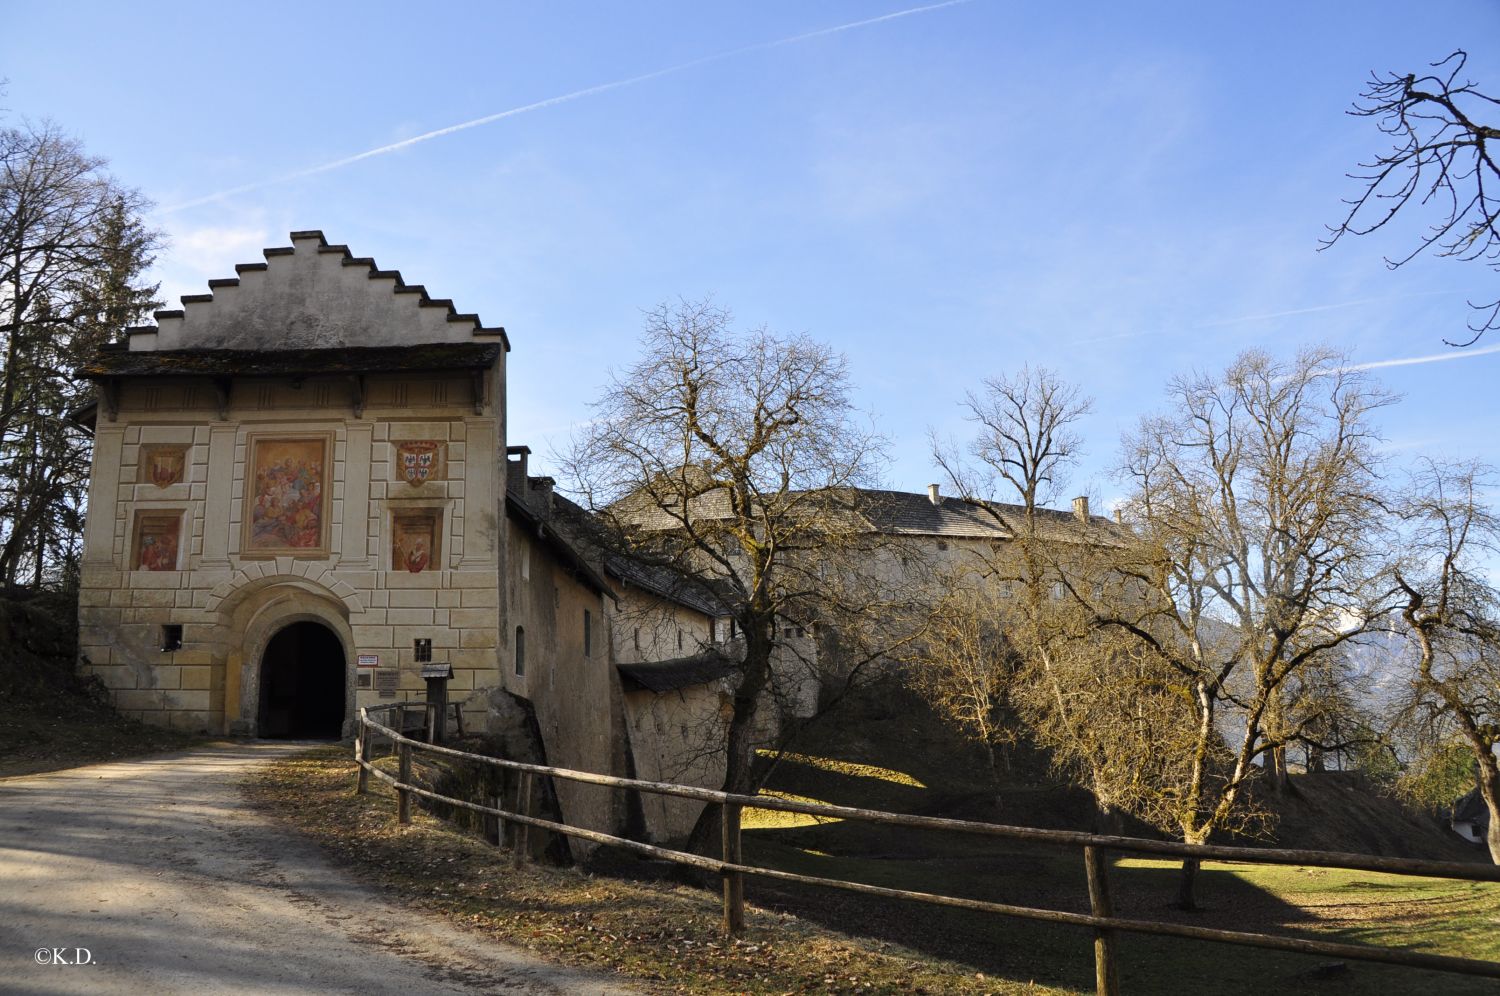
[(171, 884)]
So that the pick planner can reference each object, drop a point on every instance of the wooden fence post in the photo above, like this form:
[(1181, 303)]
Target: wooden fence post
[(523, 806), (400, 723), (734, 882), (498, 802), (362, 754), (1106, 971), (458, 717), (403, 776)]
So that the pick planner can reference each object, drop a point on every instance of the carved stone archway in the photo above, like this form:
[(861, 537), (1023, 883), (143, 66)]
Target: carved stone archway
[(252, 615)]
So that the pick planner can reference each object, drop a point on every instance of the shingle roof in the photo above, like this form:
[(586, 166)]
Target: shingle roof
[(560, 545), (666, 676), (257, 362), (903, 513), (667, 583), (1471, 808)]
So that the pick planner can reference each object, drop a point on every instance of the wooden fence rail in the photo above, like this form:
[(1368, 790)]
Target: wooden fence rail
[(1100, 918)]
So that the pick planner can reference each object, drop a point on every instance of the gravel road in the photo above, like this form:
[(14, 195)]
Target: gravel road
[(158, 872)]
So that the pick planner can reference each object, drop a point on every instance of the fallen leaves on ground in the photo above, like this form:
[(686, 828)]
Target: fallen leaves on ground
[(661, 937)]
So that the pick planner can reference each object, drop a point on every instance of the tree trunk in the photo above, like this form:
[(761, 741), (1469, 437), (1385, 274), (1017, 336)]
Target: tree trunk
[(1107, 819), (739, 748), (1185, 884), (1188, 880), (1489, 791)]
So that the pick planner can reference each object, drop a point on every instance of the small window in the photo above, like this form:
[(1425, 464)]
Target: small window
[(421, 650), (588, 633), (1058, 591), (942, 544), (637, 638), (732, 625), (679, 639), (525, 562), (171, 638), (520, 652)]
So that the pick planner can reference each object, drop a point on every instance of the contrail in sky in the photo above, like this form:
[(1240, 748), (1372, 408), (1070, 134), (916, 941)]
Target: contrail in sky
[(1222, 322), (1315, 308), (1412, 361), (553, 102)]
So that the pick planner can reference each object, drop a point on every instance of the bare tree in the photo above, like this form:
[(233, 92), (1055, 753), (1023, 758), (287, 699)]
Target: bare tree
[(72, 251), (1255, 504), (1452, 614), (736, 459), (1013, 631), (965, 669), (1445, 157)]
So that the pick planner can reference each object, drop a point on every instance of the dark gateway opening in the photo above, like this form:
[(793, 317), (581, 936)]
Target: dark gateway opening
[(302, 684)]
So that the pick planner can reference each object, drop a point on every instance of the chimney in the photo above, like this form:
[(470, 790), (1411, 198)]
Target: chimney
[(1119, 515), (515, 470), (542, 504), (1081, 508), (932, 494)]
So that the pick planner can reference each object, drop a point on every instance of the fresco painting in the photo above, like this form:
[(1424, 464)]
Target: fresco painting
[(157, 535), (414, 540), (287, 496)]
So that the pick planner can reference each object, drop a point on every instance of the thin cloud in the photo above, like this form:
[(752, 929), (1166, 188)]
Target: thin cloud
[(1267, 316), (1412, 361), (1317, 308), (552, 102)]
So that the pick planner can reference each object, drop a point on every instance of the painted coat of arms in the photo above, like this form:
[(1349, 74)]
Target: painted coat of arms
[(417, 461), (163, 466)]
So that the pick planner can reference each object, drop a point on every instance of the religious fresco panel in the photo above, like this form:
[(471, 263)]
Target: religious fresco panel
[(287, 496)]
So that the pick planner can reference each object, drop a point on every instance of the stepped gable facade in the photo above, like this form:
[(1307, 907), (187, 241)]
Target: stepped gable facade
[(297, 498)]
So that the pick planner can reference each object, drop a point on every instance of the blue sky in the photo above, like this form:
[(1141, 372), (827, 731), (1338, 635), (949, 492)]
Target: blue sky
[(1120, 192)]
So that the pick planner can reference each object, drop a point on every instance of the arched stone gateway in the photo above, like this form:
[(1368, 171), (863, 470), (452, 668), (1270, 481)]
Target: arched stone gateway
[(302, 678), (290, 664)]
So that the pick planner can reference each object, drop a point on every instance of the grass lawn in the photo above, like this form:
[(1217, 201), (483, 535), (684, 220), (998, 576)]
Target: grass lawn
[(1431, 915), (885, 754)]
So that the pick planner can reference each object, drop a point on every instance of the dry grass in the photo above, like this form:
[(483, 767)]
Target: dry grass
[(664, 938)]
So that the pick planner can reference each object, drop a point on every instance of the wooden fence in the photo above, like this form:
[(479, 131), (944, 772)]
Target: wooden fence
[(1100, 919)]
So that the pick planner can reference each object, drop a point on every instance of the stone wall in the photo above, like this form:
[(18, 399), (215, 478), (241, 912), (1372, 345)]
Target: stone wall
[(569, 680)]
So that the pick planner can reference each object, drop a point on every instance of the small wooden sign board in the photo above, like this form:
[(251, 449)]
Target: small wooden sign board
[(386, 682)]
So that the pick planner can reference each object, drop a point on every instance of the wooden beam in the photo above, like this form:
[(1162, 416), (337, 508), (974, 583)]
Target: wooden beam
[(221, 395), (109, 397), (357, 392), (476, 377)]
